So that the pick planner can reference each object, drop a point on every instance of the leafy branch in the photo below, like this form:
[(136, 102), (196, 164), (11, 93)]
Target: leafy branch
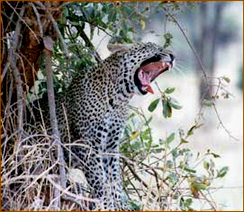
[(168, 13)]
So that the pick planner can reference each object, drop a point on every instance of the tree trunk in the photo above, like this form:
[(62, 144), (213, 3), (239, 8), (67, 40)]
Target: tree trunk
[(202, 46), (215, 30), (29, 45), (208, 45), (23, 26)]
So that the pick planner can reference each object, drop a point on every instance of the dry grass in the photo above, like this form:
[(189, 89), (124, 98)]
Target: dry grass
[(30, 171), (30, 175)]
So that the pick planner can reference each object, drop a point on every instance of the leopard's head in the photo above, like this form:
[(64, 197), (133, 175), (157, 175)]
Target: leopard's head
[(140, 65)]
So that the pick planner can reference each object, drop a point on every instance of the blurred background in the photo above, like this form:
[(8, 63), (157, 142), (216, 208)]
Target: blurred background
[(216, 32)]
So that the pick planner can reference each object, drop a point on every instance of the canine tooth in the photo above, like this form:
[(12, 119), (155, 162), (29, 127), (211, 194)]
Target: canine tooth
[(169, 65)]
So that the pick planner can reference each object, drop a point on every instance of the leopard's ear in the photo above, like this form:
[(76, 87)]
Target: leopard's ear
[(115, 47)]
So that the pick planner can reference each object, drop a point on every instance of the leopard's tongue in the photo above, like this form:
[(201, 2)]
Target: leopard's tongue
[(145, 81), (149, 72)]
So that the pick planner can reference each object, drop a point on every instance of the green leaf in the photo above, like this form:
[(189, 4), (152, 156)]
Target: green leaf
[(158, 150), (145, 134), (149, 145), (183, 141), (207, 103), (134, 135), (177, 107), (194, 191), (136, 145), (194, 127), (185, 203), (175, 153), (74, 23), (190, 131), (168, 39), (212, 167), (174, 104), (126, 183), (169, 90), (223, 171), (135, 206), (188, 203), (215, 155), (170, 138), (167, 110), (92, 29), (131, 116), (143, 24), (169, 163), (173, 177), (227, 79), (206, 165), (199, 186), (153, 105), (198, 155), (189, 170)]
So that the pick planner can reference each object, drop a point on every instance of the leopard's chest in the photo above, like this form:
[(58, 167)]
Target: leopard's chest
[(98, 119)]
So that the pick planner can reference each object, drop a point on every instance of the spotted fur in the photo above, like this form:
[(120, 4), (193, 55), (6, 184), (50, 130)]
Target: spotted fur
[(92, 114)]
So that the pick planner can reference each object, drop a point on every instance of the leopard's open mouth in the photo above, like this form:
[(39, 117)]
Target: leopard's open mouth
[(150, 69)]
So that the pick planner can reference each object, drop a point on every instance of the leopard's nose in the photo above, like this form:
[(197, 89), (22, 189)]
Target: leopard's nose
[(172, 57)]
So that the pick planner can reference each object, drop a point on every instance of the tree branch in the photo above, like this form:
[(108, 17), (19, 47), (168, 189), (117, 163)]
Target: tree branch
[(55, 25), (21, 18), (138, 178), (48, 42), (37, 18), (88, 43), (12, 62), (202, 68), (15, 42), (19, 95)]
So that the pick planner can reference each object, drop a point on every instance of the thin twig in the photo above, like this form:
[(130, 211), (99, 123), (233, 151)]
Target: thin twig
[(12, 60), (9, 102), (21, 18), (68, 130), (209, 201), (41, 175), (8, 181), (5, 70), (138, 178), (201, 66), (222, 124), (15, 42), (189, 43), (55, 25), (88, 43), (92, 24), (78, 197), (53, 118), (10, 18), (37, 17), (64, 4), (19, 95)]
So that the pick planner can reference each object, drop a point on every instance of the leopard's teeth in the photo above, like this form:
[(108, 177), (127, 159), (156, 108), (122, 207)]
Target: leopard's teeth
[(169, 65)]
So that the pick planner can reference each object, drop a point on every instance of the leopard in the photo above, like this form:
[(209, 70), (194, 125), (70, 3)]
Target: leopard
[(92, 115)]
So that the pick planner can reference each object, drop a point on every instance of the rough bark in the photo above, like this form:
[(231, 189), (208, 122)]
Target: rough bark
[(30, 44), (54, 123)]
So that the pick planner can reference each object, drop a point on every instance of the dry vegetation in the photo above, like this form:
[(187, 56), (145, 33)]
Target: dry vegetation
[(158, 175)]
